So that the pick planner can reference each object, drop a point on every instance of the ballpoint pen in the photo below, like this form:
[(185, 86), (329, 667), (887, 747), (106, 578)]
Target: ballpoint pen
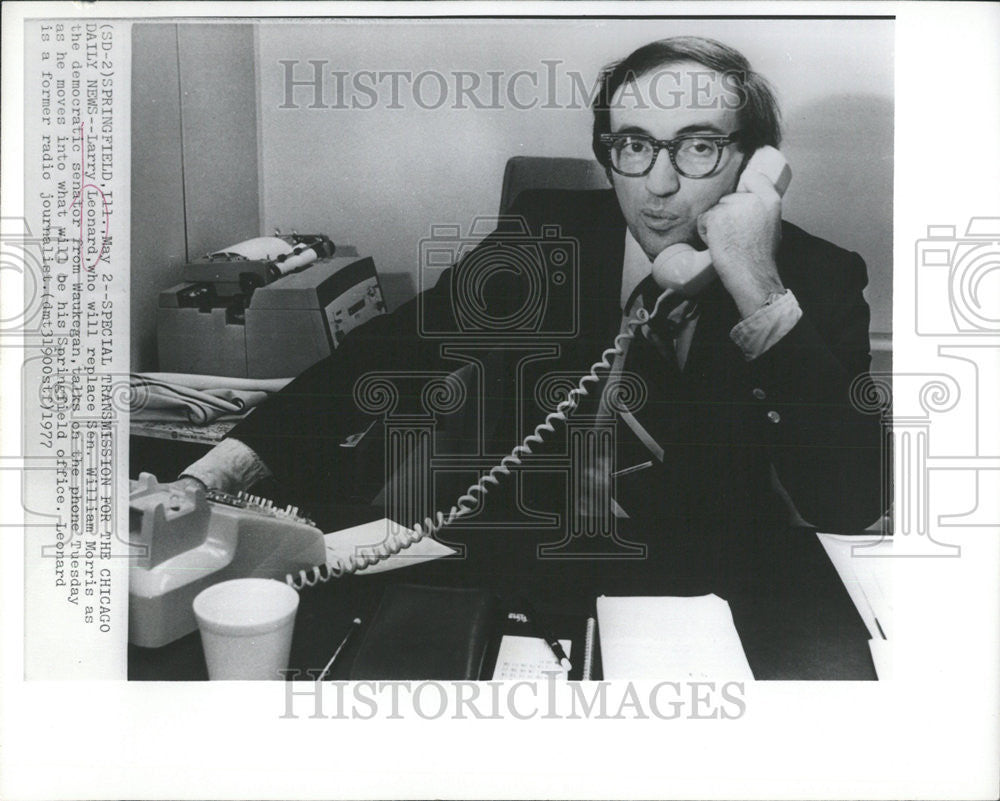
[(355, 625), (550, 639)]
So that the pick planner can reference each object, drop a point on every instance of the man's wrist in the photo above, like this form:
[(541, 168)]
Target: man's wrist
[(230, 466), (767, 325), (755, 295)]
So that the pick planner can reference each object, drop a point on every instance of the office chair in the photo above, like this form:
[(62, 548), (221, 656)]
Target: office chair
[(541, 172)]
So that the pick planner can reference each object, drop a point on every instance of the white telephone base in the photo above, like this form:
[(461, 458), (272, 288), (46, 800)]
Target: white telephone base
[(190, 540)]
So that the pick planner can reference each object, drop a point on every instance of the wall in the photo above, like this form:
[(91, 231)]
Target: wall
[(324, 169), (194, 157)]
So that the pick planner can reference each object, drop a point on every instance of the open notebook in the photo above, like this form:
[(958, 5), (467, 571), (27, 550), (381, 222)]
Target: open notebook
[(670, 639)]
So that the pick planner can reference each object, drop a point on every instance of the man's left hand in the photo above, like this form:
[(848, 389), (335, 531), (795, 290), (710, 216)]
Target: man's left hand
[(742, 233)]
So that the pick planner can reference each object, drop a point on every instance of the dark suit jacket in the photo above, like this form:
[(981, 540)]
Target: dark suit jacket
[(726, 423)]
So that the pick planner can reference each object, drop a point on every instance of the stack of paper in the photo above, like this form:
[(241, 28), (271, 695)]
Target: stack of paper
[(670, 639), (863, 564)]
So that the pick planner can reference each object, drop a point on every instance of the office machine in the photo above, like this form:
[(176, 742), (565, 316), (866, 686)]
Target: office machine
[(265, 308), (188, 540)]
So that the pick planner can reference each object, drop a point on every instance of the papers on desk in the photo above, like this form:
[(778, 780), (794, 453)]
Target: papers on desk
[(368, 538), (670, 639), (528, 658), (881, 657), (863, 565)]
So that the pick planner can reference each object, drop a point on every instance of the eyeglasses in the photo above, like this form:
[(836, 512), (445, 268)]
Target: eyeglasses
[(693, 156)]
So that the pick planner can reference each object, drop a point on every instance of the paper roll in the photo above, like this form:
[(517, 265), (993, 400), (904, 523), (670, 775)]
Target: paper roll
[(261, 248)]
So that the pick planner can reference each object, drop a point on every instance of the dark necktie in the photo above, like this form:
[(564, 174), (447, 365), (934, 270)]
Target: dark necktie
[(666, 325)]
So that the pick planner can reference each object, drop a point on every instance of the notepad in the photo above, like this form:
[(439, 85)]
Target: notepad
[(668, 638), (528, 658), (369, 537)]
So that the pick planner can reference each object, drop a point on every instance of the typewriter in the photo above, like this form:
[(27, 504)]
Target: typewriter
[(268, 307)]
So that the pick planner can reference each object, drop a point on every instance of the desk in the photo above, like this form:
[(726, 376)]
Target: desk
[(792, 612)]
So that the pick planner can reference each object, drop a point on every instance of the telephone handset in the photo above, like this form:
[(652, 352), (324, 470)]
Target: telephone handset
[(683, 269), (679, 268)]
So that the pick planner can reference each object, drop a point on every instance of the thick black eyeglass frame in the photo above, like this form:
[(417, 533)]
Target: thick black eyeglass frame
[(670, 145)]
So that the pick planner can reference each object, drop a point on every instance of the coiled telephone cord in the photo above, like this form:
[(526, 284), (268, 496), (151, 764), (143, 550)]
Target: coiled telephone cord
[(467, 502)]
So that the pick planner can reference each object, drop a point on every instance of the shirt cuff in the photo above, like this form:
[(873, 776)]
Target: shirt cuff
[(230, 466), (766, 326)]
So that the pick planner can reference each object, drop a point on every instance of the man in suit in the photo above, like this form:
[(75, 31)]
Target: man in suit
[(747, 385)]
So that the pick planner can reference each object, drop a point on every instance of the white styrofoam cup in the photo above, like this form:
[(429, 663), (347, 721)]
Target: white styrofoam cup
[(246, 627)]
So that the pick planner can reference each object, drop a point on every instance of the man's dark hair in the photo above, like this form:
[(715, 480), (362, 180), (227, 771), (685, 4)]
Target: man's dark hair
[(760, 122)]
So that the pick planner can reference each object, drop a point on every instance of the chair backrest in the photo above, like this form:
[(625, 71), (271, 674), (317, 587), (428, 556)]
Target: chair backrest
[(540, 172)]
